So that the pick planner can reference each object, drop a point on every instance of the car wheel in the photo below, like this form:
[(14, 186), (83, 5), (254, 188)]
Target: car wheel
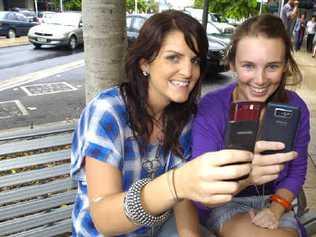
[(72, 43), (11, 34), (37, 46)]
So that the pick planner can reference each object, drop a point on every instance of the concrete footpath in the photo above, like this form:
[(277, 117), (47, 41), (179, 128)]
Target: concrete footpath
[(307, 90)]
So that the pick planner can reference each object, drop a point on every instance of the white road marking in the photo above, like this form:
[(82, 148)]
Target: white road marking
[(30, 92), (35, 76)]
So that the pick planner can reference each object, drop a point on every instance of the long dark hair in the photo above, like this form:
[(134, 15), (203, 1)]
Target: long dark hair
[(269, 26), (135, 90)]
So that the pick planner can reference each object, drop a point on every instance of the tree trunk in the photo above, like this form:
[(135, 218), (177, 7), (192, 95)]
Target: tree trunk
[(105, 44)]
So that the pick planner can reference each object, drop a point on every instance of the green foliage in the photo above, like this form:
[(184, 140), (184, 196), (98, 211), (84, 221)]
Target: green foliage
[(235, 9), (143, 6), (69, 5)]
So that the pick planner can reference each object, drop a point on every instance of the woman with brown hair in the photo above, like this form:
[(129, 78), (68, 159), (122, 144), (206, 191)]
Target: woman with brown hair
[(261, 59), (131, 142)]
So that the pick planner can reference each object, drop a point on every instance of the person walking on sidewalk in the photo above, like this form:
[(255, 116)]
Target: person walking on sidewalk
[(311, 30), (288, 15), (299, 31)]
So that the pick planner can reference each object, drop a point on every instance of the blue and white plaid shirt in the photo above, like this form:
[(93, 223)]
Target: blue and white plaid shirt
[(103, 133)]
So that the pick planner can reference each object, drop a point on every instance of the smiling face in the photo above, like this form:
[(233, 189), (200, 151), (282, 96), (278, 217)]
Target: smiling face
[(260, 65), (173, 73)]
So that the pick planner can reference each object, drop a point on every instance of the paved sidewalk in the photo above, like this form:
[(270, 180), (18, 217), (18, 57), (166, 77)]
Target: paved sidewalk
[(308, 92), (4, 42)]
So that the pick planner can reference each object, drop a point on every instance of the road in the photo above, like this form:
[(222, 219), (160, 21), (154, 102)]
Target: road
[(40, 86), (46, 85)]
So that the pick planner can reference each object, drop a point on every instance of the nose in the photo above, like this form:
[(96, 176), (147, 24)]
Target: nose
[(186, 68), (260, 78)]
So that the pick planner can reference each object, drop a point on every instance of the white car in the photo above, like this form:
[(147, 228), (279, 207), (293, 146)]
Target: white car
[(214, 18), (63, 29)]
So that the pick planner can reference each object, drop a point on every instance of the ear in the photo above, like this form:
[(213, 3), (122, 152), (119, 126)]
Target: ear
[(232, 67), (144, 65)]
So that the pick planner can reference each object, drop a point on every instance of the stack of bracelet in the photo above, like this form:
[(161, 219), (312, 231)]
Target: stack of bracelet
[(134, 210)]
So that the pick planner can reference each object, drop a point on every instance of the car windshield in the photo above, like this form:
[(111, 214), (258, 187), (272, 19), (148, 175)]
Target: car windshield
[(63, 19), (218, 18), (2, 15)]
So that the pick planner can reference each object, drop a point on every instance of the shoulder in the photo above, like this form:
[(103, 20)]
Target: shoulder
[(107, 101), (296, 100), (217, 99)]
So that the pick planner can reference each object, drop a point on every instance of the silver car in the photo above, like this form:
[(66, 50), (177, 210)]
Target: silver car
[(61, 29)]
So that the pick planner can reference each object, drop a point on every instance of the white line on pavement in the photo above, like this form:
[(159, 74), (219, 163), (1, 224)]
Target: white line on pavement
[(34, 76)]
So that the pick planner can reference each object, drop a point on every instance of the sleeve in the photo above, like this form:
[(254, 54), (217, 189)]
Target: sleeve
[(208, 127), (98, 135), (297, 168)]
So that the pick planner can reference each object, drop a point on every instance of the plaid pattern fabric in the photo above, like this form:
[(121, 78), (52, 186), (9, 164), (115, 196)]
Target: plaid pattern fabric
[(103, 133)]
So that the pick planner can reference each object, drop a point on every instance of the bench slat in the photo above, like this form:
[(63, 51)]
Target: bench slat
[(39, 174), (33, 144), (61, 227), (31, 221), (36, 190), (27, 161), (38, 130), (31, 207)]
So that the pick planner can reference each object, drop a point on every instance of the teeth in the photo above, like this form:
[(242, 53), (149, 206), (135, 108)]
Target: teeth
[(258, 90), (180, 83)]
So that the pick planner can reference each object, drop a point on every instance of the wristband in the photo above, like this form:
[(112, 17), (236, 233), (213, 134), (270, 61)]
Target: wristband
[(283, 202)]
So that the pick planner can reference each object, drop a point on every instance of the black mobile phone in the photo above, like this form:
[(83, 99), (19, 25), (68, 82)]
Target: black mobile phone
[(280, 124), (241, 130)]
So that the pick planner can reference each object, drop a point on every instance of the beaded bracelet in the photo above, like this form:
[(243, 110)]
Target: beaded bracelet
[(283, 202), (134, 210)]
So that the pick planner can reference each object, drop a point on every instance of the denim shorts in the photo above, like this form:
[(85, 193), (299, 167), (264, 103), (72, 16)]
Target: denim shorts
[(219, 215)]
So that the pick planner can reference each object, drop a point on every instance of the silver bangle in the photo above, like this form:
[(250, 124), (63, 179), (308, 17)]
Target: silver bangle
[(134, 210)]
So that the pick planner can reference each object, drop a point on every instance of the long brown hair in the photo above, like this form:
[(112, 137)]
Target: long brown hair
[(269, 26), (135, 90)]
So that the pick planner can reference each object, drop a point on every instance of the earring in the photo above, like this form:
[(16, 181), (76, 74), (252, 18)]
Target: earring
[(146, 74)]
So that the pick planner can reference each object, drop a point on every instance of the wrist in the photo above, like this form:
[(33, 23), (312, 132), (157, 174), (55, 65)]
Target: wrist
[(277, 209), (177, 179)]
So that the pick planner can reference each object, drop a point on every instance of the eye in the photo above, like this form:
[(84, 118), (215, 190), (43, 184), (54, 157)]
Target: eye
[(196, 60), (248, 66), (174, 58), (273, 67)]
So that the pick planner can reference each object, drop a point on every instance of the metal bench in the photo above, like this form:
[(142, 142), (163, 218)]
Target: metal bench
[(306, 216), (36, 192)]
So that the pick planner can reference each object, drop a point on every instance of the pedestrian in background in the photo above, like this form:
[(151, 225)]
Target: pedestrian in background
[(289, 14), (299, 31), (311, 30)]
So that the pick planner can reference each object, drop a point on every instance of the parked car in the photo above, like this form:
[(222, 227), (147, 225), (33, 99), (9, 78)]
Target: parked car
[(215, 18), (29, 14), (43, 15), (63, 29), (217, 45), (14, 24)]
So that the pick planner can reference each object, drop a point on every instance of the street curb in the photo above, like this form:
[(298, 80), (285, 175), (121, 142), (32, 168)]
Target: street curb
[(4, 42)]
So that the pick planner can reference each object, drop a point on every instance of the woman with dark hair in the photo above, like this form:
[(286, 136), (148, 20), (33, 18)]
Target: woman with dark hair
[(132, 142), (261, 58)]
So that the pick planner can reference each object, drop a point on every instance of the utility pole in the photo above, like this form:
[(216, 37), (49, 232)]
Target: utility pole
[(61, 5), (205, 14), (261, 4), (136, 10), (36, 8)]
